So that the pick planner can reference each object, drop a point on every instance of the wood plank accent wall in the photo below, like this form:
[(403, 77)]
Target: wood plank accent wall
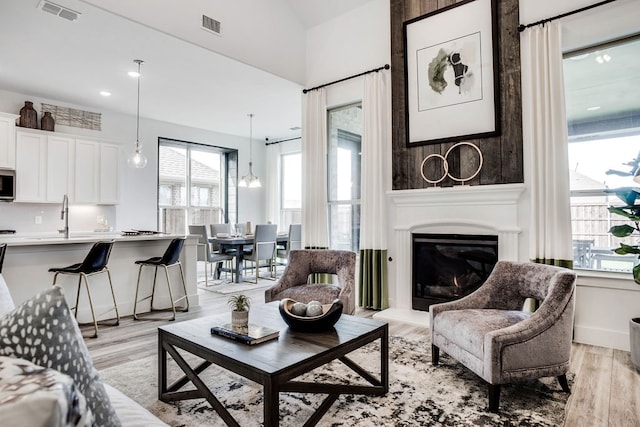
[(502, 154)]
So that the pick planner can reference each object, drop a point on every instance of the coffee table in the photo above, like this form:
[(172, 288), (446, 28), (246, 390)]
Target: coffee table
[(273, 364)]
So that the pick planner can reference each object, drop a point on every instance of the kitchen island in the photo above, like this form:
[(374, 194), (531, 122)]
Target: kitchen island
[(28, 259)]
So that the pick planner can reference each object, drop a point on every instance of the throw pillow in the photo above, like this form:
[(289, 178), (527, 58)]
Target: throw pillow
[(34, 396), (43, 331)]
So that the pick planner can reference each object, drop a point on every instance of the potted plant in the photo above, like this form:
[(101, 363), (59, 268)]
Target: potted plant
[(239, 310), (631, 211)]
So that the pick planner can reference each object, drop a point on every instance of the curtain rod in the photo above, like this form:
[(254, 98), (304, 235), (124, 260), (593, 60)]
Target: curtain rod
[(282, 140), (384, 67), (521, 27)]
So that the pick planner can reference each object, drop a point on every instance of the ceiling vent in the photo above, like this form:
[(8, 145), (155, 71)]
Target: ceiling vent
[(56, 9), (211, 24)]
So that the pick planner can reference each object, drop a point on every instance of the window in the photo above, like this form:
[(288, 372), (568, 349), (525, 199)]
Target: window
[(344, 135), (203, 170), (602, 86), (290, 190)]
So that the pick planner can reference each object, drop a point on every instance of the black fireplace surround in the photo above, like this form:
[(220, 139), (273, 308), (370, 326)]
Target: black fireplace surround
[(449, 266)]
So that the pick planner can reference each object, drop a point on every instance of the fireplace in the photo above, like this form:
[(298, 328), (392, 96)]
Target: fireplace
[(446, 267)]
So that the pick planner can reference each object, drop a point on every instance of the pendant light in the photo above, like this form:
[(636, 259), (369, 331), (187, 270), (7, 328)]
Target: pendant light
[(137, 160), (250, 180)]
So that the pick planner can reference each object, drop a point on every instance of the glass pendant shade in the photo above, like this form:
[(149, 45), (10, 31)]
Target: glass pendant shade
[(137, 160), (250, 180)]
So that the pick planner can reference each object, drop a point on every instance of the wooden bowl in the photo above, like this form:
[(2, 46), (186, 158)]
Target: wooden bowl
[(330, 315)]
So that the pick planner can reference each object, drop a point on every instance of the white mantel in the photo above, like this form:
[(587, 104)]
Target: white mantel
[(479, 210)]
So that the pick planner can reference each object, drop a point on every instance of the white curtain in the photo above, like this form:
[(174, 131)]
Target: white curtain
[(545, 132), (376, 143), (273, 184), (315, 222)]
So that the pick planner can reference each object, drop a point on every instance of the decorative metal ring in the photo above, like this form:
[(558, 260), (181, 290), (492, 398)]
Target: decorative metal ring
[(479, 157), (445, 166)]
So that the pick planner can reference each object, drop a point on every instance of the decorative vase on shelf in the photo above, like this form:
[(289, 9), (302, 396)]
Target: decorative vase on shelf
[(28, 116), (47, 122)]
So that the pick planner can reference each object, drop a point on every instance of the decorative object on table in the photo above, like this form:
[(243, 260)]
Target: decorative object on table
[(250, 180), (250, 334), (239, 310), (47, 122), (452, 74), (445, 165), (631, 211), (136, 159), (311, 317), (28, 116), (248, 228)]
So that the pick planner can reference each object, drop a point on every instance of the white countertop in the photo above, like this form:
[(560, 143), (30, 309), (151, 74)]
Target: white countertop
[(82, 237)]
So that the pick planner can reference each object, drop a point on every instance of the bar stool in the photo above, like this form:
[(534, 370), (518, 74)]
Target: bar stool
[(94, 263), (170, 258), (3, 250)]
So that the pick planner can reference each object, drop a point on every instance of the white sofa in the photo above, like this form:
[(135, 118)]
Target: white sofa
[(129, 412)]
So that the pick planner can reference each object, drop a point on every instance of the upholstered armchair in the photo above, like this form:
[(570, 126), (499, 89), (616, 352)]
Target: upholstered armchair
[(489, 333), (294, 282)]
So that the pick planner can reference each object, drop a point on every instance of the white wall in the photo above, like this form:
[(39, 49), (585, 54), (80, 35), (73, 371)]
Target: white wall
[(138, 187), (350, 44)]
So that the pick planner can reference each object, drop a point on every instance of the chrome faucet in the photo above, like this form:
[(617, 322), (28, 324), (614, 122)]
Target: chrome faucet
[(64, 214)]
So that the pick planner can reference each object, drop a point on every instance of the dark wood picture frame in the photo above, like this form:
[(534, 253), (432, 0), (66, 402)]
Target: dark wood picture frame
[(451, 74)]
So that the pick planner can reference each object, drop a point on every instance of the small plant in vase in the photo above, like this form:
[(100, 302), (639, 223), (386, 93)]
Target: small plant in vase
[(239, 310)]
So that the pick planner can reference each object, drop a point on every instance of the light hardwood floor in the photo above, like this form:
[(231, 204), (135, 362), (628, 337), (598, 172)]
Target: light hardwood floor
[(605, 389)]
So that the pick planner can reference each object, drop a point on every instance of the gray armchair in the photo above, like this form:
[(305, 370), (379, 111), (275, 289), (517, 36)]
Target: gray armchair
[(489, 333), (302, 263)]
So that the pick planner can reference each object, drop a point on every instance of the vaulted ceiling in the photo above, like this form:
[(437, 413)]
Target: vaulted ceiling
[(191, 76)]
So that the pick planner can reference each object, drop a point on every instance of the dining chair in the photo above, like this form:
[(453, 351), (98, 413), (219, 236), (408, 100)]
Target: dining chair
[(294, 241), (208, 252), (263, 249)]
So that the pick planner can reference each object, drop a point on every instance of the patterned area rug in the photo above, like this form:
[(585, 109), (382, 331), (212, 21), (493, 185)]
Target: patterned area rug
[(419, 395)]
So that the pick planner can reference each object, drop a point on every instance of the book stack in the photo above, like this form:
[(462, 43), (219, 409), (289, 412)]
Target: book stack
[(250, 335)]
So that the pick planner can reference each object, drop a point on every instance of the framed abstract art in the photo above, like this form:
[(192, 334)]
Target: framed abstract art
[(451, 74)]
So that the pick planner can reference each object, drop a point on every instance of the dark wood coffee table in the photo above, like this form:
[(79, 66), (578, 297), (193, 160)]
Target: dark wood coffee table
[(274, 364)]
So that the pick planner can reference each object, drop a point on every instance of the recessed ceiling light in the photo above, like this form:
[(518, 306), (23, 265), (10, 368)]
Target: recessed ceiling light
[(595, 107), (105, 93)]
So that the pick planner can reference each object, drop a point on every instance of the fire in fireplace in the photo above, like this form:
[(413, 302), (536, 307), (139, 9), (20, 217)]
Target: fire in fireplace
[(449, 266)]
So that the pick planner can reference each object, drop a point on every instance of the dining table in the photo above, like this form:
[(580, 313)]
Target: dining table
[(234, 245)]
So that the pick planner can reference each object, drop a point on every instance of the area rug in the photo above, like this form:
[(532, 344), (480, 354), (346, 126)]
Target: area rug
[(419, 395)]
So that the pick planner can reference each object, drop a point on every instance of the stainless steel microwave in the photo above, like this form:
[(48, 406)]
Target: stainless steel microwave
[(7, 185)]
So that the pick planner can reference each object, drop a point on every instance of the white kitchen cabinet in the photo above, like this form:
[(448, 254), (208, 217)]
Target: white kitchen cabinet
[(60, 154), (8, 140), (87, 172), (109, 171), (50, 165), (96, 170), (31, 164), (44, 170)]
